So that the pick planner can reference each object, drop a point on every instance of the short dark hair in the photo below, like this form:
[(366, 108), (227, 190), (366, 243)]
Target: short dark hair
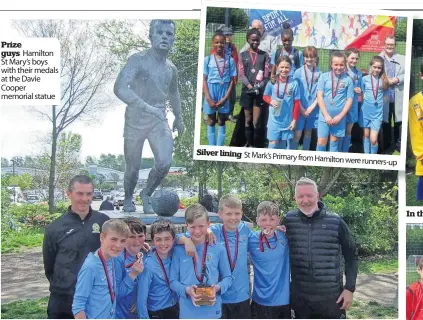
[(135, 225), (421, 66), (82, 178), (156, 21), (218, 33), (162, 225), (252, 31)]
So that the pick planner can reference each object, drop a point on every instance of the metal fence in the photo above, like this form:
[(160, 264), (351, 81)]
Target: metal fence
[(414, 250), (416, 59), (240, 26)]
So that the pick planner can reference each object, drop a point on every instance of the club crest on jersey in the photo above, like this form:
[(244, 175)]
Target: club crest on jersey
[(244, 238), (208, 257), (342, 85), (96, 228), (418, 111)]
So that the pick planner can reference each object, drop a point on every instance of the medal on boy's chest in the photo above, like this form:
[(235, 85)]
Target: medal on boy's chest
[(228, 250)]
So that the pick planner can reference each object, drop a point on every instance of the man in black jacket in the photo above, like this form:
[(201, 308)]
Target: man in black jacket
[(317, 240), (107, 204), (67, 242)]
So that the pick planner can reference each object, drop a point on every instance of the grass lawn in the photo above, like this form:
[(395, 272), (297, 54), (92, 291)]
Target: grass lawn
[(411, 186), (26, 309), (36, 309), (386, 264), (15, 241), (371, 310), (412, 276)]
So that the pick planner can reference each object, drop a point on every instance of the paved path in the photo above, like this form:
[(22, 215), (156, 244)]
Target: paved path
[(22, 277)]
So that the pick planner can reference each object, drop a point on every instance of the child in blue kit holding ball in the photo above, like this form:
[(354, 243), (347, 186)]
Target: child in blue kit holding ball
[(218, 76), (375, 87), (307, 77), (335, 92), (283, 97)]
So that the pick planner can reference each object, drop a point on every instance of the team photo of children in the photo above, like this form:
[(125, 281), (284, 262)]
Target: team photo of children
[(303, 81)]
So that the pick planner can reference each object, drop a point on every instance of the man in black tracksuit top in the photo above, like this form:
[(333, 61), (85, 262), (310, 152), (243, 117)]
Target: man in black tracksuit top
[(67, 242), (317, 239)]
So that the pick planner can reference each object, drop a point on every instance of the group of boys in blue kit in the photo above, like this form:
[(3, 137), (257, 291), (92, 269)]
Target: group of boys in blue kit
[(299, 97), (122, 281)]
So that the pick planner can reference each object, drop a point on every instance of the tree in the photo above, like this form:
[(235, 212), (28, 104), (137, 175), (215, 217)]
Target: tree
[(401, 29), (4, 162), (238, 18), (67, 160), (85, 71), (23, 181), (18, 161), (90, 160)]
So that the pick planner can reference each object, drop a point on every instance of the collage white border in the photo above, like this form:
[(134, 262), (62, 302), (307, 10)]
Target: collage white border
[(297, 157), (403, 220), (190, 4)]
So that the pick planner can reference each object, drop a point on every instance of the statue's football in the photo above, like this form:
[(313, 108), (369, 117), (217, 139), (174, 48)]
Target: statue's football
[(165, 203)]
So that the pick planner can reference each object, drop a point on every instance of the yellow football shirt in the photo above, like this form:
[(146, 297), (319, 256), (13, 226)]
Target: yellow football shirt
[(415, 121)]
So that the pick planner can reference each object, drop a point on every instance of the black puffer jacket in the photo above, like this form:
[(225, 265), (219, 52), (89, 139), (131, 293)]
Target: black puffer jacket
[(316, 246)]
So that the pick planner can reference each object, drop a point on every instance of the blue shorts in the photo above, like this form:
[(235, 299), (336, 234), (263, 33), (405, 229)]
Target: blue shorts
[(371, 116), (352, 115), (217, 91), (323, 129), (308, 123), (279, 134)]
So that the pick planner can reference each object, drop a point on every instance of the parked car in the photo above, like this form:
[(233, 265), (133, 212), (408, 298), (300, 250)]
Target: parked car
[(119, 199), (118, 202), (33, 198), (98, 195)]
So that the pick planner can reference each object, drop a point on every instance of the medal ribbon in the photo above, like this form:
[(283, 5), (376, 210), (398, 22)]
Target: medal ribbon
[(218, 67), (377, 88), (337, 86), (286, 87), (164, 273), (163, 269), (126, 257), (312, 79), (103, 261), (253, 60), (203, 261), (228, 251), (261, 237), (355, 76)]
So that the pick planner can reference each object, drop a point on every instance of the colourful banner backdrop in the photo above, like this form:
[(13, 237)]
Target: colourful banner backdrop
[(327, 30)]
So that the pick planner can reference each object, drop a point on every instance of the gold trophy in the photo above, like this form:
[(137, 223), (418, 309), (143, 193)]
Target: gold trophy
[(206, 291)]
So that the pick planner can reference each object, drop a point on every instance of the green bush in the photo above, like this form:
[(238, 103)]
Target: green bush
[(188, 201), (374, 225), (62, 206), (32, 215)]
